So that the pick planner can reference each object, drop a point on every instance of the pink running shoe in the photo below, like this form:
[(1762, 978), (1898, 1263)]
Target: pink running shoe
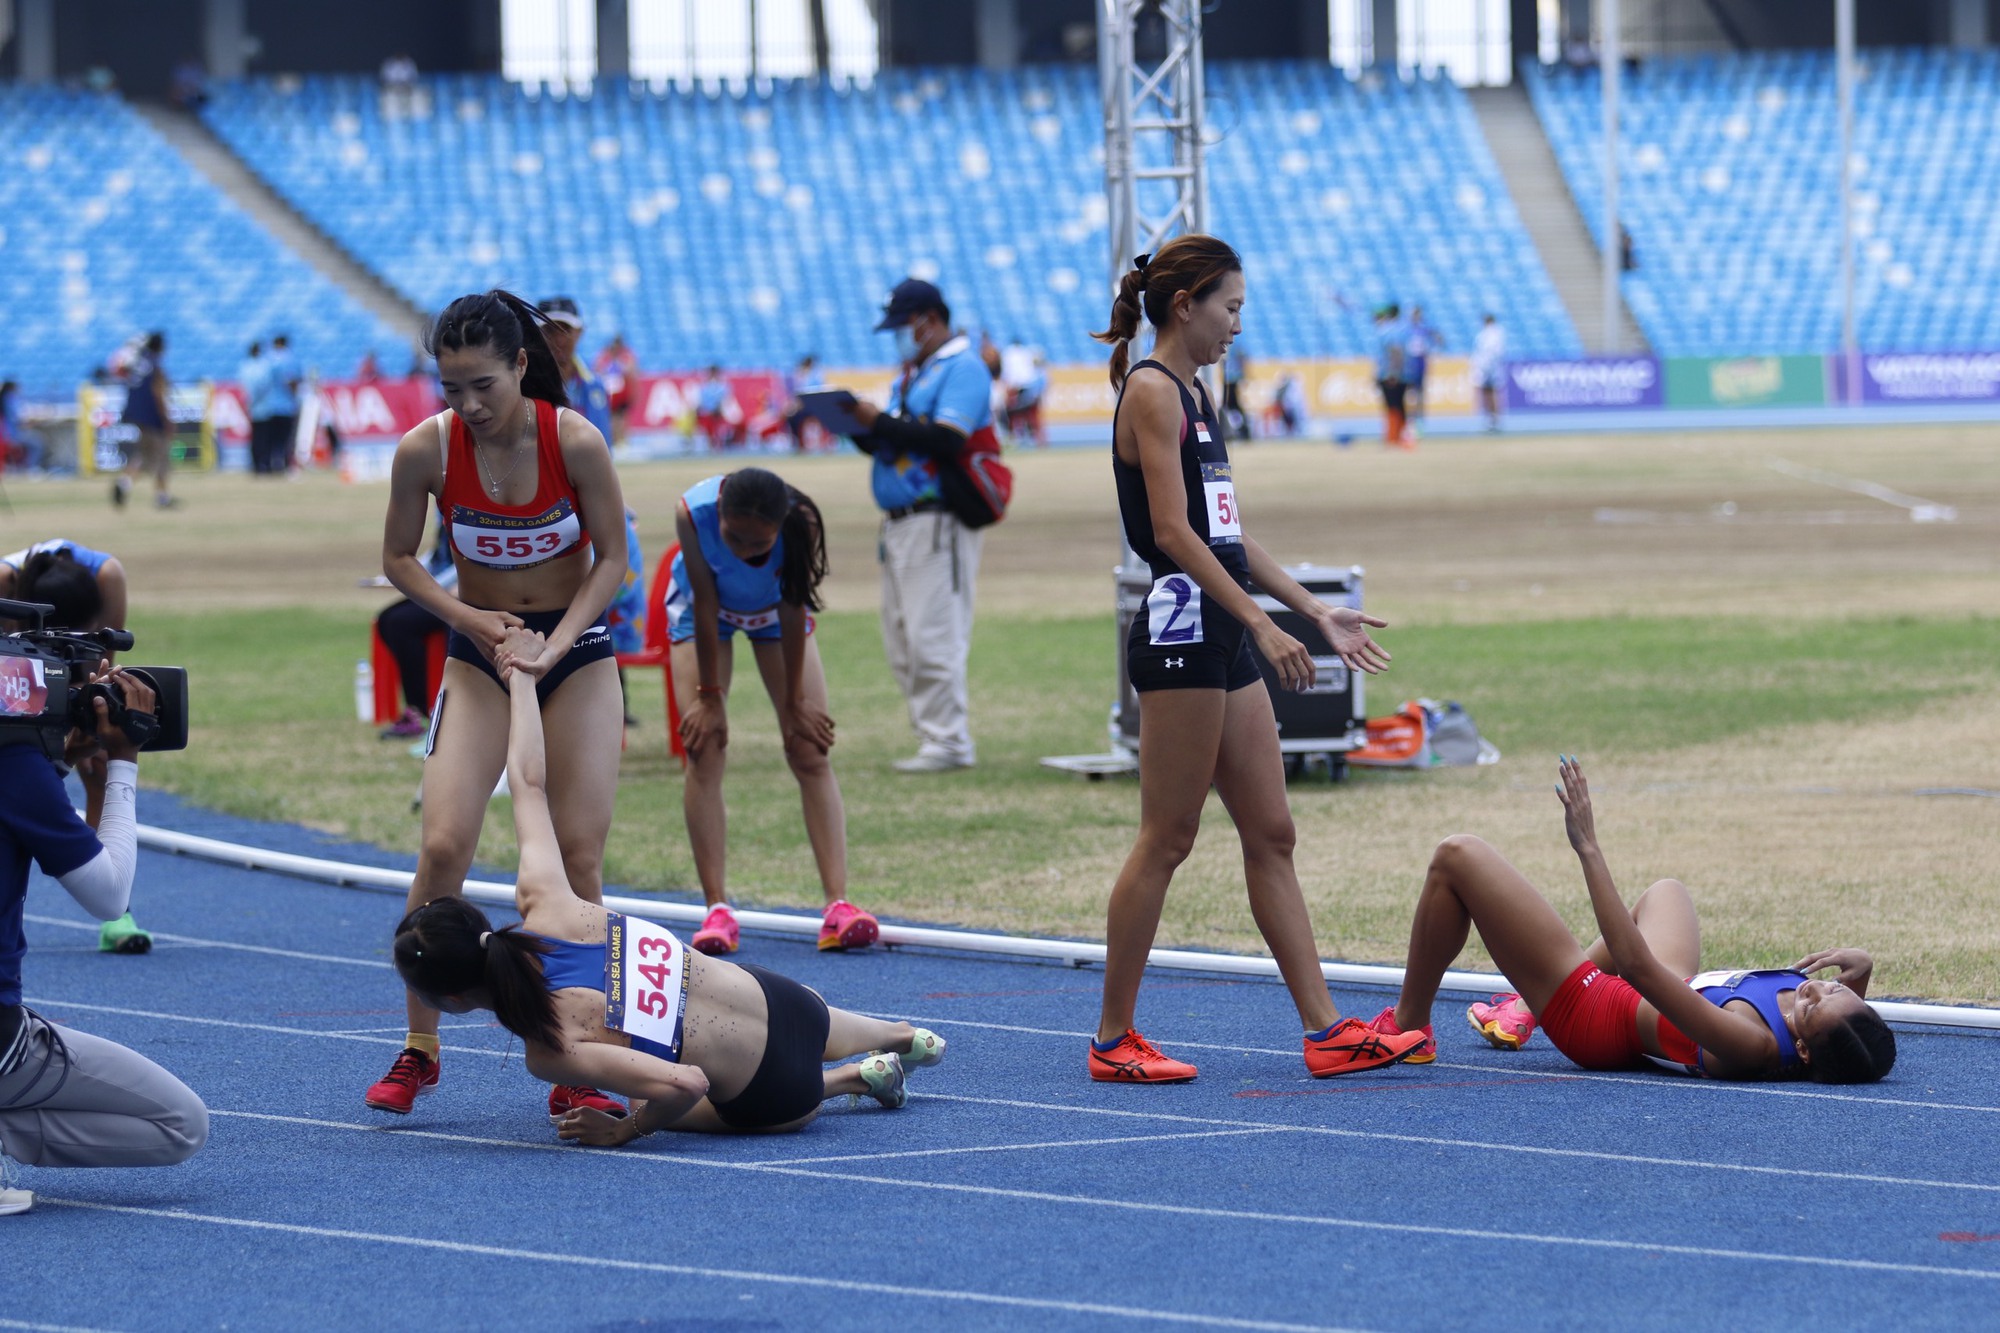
[(846, 926), (1504, 1021), (1385, 1023), (719, 933)]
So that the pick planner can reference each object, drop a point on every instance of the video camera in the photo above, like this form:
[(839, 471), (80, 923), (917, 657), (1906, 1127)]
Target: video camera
[(45, 686)]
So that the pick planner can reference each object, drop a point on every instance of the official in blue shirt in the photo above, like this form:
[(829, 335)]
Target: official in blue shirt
[(930, 559), (276, 406), (68, 1098), (1390, 338)]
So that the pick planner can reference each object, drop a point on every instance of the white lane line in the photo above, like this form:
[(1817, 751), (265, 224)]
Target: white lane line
[(1024, 1147), (1921, 510), (1648, 1082), (48, 1328), (1210, 1121), (199, 943), (1168, 1209), (246, 1027), (811, 1281), (1532, 1150)]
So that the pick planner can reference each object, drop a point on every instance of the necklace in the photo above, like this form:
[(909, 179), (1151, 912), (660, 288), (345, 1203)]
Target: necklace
[(494, 485)]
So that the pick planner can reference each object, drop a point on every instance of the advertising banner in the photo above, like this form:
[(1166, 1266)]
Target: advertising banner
[(1746, 381), (379, 410), (1586, 384), (102, 438), (666, 404), (1921, 377)]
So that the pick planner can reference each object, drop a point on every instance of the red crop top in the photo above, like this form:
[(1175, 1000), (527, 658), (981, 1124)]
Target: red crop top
[(497, 536)]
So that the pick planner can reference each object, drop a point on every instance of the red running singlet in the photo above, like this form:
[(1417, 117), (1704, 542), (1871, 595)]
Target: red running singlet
[(508, 537)]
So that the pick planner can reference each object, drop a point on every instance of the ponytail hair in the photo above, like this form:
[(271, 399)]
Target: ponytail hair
[(503, 324), (1193, 264), (59, 579), (448, 947), (753, 492)]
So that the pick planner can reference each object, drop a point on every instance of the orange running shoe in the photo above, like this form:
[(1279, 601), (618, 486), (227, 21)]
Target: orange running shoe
[(1350, 1046), (1385, 1023), (1133, 1059), (1505, 1021)]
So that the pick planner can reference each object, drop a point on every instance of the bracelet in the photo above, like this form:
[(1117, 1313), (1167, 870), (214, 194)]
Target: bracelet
[(715, 690)]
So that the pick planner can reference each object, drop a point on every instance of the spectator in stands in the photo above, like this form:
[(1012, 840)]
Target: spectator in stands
[(1628, 256), (1389, 373), (148, 411), (399, 85), (804, 378), (716, 411), (1419, 341), (188, 88), (20, 447), (285, 378), (619, 370), (930, 559), (1489, 366)]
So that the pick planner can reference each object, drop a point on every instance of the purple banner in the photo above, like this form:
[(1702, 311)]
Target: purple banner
[(1589, 384), (1920, 377)]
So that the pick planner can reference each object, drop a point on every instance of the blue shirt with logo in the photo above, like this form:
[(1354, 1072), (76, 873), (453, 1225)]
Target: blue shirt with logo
[(739, 585), (37, 824), (953, 388), (277, 397)]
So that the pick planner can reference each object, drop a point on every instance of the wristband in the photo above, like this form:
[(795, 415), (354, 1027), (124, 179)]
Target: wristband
[(703, 690)]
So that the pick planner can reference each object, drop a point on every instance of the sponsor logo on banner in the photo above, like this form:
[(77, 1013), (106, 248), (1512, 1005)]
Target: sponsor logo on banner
[(377, 410), (1584, 384), (1924, 377)]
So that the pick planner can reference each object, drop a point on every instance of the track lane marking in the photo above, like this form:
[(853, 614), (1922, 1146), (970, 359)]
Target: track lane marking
[(245, 1027), (1141, 1206), (697, 1271), (1022, 1147), (197, 942)]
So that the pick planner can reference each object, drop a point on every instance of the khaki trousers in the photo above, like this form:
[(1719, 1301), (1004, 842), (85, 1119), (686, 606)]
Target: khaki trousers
[(930, 562)]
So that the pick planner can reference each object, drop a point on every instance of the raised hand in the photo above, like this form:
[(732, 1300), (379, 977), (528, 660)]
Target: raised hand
[(1855, 966), (1578, 819)]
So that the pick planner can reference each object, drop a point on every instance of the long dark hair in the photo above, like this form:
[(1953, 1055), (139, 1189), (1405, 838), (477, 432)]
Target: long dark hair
[(503, 324), (1861, 1050), (752, 492), (58, 578), (438, 952), (1193, 264)]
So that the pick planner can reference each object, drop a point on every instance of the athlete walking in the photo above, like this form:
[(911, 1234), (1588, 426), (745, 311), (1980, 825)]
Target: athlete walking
[(1207, 716)]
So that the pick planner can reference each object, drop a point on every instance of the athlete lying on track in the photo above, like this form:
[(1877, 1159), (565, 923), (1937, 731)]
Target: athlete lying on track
[(1637, 993), (612, 1001)]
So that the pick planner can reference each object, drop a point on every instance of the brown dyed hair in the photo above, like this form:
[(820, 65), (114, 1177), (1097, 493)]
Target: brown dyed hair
[(1193, 264)]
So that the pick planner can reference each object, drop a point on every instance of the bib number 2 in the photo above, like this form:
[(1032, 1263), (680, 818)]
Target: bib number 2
[(1173, 610)]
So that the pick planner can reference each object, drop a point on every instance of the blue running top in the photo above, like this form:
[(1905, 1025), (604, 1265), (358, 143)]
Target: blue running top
[(572, 966)]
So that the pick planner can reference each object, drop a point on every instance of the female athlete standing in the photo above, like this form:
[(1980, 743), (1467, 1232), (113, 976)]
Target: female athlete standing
[(753, 552), (1207, 717), (530, 507)]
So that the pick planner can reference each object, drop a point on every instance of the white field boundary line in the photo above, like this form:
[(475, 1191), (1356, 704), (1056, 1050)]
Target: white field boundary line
[(198, 943), (1646, 1081), (1074, 952), (1921, 510), (1166, 1209), (47, 1328), (808, 1281)]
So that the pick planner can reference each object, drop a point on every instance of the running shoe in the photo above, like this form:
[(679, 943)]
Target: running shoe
[(121, 488), (1133, 1059), (413, 1072), (846, 926), (1351, 1046), (1504, 1020), (410, 723), (1385, 1023), (883, 1073), (123, 936), (926, 1049), (12, 1200), (719, 932), (567, 1097)]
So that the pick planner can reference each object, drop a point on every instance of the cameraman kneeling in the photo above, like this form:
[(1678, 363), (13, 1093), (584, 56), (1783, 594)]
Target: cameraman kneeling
[(67, 1098)]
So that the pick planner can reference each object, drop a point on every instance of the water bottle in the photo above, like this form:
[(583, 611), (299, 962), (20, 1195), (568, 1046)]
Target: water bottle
[(364, 691)]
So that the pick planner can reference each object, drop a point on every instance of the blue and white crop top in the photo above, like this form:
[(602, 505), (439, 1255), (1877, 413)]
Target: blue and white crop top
[(1761, 987), (571, 966), (739, 585)]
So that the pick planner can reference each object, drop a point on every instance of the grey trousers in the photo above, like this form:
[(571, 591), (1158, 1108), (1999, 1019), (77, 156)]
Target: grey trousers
[(930, 562), (79, 1100)]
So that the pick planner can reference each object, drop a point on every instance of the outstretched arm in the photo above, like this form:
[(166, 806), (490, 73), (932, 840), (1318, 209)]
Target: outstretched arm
[(1739, 1042), (541, 878)]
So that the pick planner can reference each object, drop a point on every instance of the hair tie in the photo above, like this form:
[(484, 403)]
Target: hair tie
[(1141, 262), (484, 936)]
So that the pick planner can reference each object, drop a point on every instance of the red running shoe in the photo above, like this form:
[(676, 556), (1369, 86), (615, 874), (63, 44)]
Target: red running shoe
[(1385, 1023), (719, 933), (413, 1072), (567, 1097), (1135, 1060), (1504, 1020), (846, 926), (1350, 1046)]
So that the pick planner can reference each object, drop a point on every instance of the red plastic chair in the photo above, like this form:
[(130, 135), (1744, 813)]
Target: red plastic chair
[(653, 651), (389, 680)]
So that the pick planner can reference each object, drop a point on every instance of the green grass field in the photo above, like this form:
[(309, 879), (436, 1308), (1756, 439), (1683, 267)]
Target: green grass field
[(1763, 699)]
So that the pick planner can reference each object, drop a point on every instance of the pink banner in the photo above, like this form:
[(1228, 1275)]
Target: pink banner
[(378, 410), (667, 402)]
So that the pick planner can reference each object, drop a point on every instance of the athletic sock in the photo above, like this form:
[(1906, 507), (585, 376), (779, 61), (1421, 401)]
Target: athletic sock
[(1325, 1032), (426, 1042)]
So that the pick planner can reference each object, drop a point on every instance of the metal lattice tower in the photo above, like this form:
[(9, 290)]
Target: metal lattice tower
[(1153, 178)]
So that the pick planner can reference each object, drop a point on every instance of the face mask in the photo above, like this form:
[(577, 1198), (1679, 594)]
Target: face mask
[(907, 349)]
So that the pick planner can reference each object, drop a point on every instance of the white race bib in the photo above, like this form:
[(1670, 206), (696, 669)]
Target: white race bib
[(645, 981), (500, 542), (750, 620), (1218, 488), (1173, 611)]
